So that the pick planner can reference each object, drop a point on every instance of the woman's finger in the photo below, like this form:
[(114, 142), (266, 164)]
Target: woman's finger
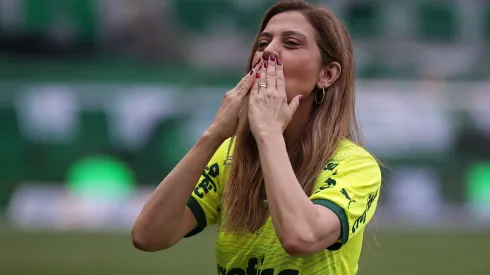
[(280, 80), (246, 83), (255, 86), (263, 77), (271, 73)]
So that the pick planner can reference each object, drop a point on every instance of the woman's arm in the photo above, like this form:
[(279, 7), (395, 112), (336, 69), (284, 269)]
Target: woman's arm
[(165, 219), (302, 227)]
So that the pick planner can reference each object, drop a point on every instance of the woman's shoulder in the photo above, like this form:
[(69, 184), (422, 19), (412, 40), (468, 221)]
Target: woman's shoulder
[(348, 150), (225, 151)]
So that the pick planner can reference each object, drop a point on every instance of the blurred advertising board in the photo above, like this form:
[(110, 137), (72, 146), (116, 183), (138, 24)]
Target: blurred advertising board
[(432, 138)]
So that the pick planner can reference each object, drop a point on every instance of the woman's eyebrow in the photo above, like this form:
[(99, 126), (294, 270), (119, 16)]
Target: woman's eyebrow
[(284, 34), (294, 33)]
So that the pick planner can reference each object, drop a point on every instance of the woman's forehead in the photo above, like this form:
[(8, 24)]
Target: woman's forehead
[(289, 21)]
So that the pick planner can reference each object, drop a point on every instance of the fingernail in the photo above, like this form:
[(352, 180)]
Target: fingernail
[(279, 62), (257, 75), (300, 98), (273, 58), (266, 64), (251, 72)]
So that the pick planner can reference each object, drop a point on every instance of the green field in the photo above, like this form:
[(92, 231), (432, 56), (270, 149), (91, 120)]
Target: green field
[(112, 254)]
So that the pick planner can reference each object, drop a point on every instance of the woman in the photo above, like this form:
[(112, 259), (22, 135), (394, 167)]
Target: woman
[(291, 190)]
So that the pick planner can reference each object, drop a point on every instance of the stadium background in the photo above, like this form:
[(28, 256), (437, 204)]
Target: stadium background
[(99, 99)]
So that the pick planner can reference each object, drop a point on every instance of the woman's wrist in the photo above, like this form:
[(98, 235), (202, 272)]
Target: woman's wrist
[(268, 137), (212, 138)]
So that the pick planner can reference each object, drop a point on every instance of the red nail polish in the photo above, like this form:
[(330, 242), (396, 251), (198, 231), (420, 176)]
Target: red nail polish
[(257, 75), (266, 64), (251, 72), (279, 62), (273, 58), (300, 98)]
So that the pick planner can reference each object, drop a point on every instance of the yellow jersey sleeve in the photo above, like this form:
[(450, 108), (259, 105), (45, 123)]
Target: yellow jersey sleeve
[(350, 188), (205, 200)]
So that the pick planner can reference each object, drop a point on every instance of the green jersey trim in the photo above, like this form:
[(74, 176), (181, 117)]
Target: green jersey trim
[(199, 214), (344, 224)]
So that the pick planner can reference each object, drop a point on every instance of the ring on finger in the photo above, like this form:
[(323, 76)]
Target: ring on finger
[(263, 85)]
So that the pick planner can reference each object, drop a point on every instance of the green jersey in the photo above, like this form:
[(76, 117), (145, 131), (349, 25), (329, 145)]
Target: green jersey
[(349, 185)]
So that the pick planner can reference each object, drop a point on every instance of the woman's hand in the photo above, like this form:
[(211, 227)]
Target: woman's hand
[(268, 108), (225, 122)]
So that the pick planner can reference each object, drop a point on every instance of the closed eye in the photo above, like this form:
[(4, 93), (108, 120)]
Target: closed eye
[(292, 43), (263, 44)]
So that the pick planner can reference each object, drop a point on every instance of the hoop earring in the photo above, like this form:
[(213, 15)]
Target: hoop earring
[(323, 96)]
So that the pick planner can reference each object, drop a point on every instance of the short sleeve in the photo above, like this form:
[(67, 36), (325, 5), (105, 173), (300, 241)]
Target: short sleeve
[(205, 200), (350, 189)]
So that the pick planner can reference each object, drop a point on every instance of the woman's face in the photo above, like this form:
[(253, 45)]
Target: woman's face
[(290, 37)]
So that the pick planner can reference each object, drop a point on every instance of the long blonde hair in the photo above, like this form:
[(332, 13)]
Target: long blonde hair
[(333, 119)]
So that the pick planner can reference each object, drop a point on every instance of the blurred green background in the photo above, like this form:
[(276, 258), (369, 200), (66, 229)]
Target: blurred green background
[(99, 99)]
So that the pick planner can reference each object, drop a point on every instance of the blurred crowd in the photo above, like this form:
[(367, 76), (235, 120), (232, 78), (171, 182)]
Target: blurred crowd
[(403, 39)]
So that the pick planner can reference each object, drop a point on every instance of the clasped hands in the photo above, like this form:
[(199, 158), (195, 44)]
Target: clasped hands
[(268, 109)]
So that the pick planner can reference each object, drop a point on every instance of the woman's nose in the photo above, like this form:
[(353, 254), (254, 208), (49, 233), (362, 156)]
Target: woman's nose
[(267, 54), (271, 49)]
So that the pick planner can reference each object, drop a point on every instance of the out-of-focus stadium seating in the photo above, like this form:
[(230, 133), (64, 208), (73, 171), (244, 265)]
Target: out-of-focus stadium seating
[(43, 15), (437, 21), (388, 33)]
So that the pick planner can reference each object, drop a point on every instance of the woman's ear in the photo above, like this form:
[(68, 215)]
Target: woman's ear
[(329, 74)]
